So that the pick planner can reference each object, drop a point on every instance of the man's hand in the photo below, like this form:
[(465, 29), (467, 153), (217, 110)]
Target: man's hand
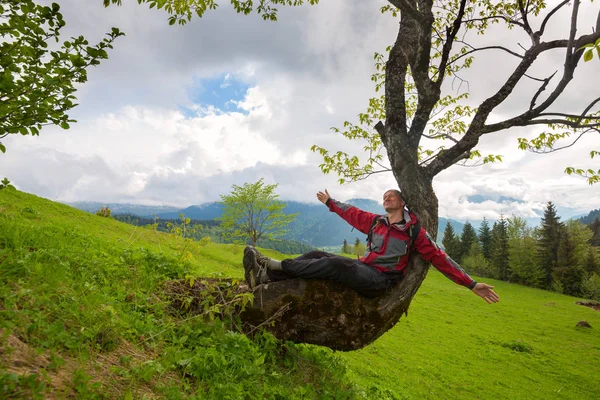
[(323, 197), (485, 292)]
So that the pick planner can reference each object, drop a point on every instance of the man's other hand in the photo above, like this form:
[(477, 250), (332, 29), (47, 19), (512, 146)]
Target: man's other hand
[(323, 197), (485, 292)]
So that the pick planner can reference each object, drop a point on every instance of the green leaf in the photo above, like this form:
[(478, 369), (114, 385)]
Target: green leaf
[(2, 148), (588, 55)]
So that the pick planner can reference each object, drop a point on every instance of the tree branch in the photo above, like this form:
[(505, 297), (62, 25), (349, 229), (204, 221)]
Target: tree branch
[(577, 117), (554, 10), (506, 19), (534, 79), (573, 32), (395, 80), (526, 25), (406, 7), (556, 121), (450, 36), (442, 135), (552, 150), (474, 49), (540, 90)]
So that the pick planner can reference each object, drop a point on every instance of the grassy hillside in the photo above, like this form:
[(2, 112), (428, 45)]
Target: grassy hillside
[(83, 314)]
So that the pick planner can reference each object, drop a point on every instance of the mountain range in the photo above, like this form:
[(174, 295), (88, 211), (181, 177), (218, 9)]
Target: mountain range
[(315, 224)]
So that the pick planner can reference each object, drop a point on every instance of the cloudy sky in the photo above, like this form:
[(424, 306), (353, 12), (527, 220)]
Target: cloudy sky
[(177, 114)]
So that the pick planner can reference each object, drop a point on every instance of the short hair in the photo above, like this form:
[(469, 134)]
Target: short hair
[(399, 193)]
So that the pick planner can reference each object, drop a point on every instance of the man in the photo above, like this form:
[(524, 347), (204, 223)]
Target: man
[(391, 238)]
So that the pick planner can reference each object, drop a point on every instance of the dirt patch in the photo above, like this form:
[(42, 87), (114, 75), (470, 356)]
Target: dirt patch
[(592, 304), (21, 359)]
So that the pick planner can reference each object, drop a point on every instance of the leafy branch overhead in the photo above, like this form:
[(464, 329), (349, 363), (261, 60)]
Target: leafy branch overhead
[(430, 121), (37, 82), (182, 11)]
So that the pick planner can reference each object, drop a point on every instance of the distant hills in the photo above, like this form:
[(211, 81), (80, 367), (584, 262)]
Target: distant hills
[(120, 208), (315, 224), (590, 217)]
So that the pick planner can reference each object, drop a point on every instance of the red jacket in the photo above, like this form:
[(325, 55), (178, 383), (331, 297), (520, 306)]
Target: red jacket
[(389, 245)]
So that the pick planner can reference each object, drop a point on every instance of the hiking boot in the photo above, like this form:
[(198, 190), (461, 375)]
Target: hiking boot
[(261, 259), (250, 266), (267, 262), (255, 267)]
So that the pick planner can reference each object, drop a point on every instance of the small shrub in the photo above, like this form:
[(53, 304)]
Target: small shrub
[(204, 241), (518, 346), (590, 287), (21, 386), (104, 212), (5, 184)]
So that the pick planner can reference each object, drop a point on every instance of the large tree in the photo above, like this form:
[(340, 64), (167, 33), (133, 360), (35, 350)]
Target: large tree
[(38, 78), (419, 103)]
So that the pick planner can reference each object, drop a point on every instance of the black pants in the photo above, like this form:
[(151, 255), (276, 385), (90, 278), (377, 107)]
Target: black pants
[(355, 274)]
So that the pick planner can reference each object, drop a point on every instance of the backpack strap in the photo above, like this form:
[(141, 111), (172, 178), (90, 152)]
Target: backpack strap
[(413, 232), (375, 222)]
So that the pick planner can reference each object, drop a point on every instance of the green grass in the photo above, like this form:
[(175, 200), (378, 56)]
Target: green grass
[(83, 314), (454, 345)]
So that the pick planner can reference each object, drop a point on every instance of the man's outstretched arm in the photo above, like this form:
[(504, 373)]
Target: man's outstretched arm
[(359, 219), (430, 251)]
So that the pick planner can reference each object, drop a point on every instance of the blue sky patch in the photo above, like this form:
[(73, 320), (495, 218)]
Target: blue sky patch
[(221, 92)]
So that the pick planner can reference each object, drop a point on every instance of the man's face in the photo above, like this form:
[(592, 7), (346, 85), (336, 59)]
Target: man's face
[(392, 202)]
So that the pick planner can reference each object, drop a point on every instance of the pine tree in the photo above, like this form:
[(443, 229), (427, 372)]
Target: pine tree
[(451, 242), (485, 239), (359, 248), (591, 264), (345, 247), (548, 242), (467, 238), (567, 272), (595, 227), (500, 256)]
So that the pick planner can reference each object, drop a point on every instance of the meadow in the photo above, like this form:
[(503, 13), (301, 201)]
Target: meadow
[(83, 314)]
